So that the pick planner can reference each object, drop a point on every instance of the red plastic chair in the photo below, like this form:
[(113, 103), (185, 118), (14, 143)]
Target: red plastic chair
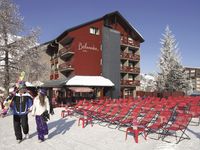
[(180, 124), (136, 130), (85, 119), (67, 112), (70, 110)]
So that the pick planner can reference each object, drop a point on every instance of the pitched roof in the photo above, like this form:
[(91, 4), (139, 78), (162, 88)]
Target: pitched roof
[(54, 41), (104, 17)]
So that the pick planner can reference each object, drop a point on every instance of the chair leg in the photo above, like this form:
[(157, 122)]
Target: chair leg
[(83, 123), (128, 130), (78, 121), (145, 135), (62, 114), (91, 122), (136, 135), (126, 134)]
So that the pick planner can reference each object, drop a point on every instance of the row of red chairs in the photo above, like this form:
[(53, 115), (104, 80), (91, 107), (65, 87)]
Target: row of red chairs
[(154, 115)]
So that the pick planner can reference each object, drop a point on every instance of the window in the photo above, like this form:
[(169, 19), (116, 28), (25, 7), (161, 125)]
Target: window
[(130, 77), (94, 30), (130, 40), (130, 64)]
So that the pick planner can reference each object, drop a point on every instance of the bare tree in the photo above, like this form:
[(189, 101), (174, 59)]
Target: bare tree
[(14, 49), (33, 65)]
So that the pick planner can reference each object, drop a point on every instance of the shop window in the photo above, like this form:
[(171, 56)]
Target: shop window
[(94, 30)]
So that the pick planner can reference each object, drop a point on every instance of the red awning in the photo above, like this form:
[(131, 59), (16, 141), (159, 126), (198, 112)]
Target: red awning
[(81, 89)]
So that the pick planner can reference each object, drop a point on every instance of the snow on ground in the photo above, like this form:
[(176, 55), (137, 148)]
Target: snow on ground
[(65, 134)]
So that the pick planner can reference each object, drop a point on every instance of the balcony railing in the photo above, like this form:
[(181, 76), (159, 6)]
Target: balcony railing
[(65, 52), (66, 67), (134, 57), (130, 82), (126, 41), (129, 69)]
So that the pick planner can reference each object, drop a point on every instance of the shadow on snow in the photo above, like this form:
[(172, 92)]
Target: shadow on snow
[(57, 127)]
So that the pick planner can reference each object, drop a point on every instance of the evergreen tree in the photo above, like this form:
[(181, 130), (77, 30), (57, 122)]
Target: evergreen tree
[(171, 76)]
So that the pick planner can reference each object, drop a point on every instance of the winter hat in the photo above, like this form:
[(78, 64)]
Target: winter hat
[(42, 91)]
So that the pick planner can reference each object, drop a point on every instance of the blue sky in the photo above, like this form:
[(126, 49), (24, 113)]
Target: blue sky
[(149, 17)]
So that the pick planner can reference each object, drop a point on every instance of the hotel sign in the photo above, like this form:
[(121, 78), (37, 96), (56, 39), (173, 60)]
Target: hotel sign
[(85, 47)]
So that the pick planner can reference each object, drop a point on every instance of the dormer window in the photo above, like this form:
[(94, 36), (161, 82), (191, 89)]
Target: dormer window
[(94, 30)]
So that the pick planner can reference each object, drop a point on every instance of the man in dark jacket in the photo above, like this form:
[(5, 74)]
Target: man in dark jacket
[(21, 104)]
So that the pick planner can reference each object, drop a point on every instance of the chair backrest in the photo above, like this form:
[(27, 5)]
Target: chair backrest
[(124, 111), (147, 118), (135, 112), (182, 120), (114, 111), (80, 102), (166, 115), (87, 107), (100, 109), (85, 113), (135, 122)]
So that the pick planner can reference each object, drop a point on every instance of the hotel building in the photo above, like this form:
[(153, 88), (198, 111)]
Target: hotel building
[(194, 75), (108, 46)]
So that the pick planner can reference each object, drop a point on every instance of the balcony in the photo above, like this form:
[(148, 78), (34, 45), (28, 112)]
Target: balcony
[(65, 52), (130, 56), (65, 67), (130, 83), (126, 41), (128, 69)]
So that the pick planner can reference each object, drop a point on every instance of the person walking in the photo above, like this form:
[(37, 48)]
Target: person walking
[(41, 107), (21, 105)]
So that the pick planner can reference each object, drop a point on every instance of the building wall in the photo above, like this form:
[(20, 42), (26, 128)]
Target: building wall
[(111, 58), (194, 76), (129, 45), (109, 54), (87, 49)]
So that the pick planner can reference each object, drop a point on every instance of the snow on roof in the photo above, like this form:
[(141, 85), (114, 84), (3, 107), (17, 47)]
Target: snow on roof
[(37, 83), (89, 81), (54, 83), (28, 84)]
